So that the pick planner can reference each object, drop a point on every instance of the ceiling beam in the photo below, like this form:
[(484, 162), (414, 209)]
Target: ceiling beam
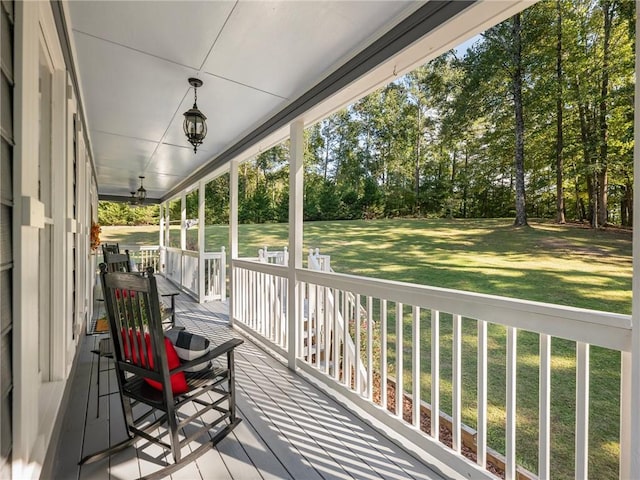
[(121, 199)]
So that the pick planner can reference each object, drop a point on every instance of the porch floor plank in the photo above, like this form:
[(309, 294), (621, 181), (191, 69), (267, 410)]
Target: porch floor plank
[(290, 429)]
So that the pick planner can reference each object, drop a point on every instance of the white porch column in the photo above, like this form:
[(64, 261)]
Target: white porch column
[(25, 241), (162, 237), (183, 233), (630, 390), (167, 224), (233, 234), (183, 221), (296, 195), (161, 232), (201, 246)]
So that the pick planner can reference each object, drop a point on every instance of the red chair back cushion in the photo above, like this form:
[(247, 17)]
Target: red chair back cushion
[(178, 380)]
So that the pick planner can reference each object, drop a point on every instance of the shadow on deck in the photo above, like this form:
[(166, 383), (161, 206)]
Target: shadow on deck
[(289, 429)]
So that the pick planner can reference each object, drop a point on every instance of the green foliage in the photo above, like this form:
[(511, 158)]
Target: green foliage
[(116, 213), (440, 141)]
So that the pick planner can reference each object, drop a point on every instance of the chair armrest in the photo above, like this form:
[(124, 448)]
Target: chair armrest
[(226, 347)]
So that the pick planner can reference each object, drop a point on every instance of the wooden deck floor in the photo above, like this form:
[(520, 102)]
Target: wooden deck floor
[(289, 429)]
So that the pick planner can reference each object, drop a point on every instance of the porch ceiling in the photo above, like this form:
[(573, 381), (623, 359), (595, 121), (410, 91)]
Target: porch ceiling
[(256, 59)]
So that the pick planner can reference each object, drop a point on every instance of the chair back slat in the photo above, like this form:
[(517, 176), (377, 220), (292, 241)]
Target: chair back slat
[(110, 248), (117, 262)]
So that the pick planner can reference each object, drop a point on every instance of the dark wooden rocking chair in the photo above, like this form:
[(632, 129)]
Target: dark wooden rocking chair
[(117, 262), (110, 248), (141, 358)]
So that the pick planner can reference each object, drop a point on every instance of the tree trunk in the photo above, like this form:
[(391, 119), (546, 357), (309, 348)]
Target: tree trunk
[(417, 162), (521, 212), (607, 10), (559, 103), (465, 189), (627, 205), (327, 147), (593, 200), (587, 150), (454, 170)]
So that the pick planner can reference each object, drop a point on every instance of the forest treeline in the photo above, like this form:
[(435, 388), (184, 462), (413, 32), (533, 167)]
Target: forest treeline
[(534, 119)]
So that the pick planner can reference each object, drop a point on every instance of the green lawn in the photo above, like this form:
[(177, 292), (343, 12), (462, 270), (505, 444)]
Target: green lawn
[(566, 265)]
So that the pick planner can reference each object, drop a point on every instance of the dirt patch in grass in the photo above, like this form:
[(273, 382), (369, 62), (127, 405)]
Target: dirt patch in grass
[(445, 435), (565, 246)]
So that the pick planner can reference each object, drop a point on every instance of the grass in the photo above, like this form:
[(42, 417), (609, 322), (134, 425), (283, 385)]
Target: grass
[(565, 265)]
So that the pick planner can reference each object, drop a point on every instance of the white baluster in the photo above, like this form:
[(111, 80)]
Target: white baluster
[(582, 410), (336, 342), (481, 437), (510, 464), (415, 365), (370, 348), (457, 383), (383, 354), (399, 361), (358, 360), (544, 441), (435, 374)]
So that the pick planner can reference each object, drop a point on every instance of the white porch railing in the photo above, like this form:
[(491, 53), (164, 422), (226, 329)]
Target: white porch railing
[(182, 267), (144, 256), (262, 305), (337, 321), (215, 275), (278, 257), (383, 363)]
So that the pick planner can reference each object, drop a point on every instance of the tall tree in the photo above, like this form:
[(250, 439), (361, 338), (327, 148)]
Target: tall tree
[(602, 185), (559, 127), (516, 79)]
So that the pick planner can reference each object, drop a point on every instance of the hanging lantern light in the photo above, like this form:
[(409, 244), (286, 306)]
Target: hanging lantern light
[(195, 125), (142, 193)]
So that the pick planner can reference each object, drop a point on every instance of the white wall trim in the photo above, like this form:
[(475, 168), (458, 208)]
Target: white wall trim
[(630, 434), (25, 240), (296, 196)]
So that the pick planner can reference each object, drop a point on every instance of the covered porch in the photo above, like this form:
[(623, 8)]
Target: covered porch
[(289, 428), (339, 372)]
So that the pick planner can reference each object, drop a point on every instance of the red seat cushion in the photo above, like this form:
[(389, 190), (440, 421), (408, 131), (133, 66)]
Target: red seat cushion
[(178, 380)]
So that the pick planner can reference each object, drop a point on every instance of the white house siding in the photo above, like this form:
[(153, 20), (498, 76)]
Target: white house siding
[(6, 215), (48, 201)]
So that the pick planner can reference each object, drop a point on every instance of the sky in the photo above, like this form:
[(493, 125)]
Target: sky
[(462, 48)]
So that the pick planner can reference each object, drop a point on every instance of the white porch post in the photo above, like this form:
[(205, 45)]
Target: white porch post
[(183, 221), (201, 248), (296, 195), (25, 240), (183, 233), (161, 232), (233, 234), (630, 389), (167, 225), (162, 235)]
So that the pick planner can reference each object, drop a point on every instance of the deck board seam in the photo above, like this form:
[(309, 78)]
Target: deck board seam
[(264, 440), (296, 422), (316, 423), (291, 382), (294, 382), (292, 445), (409, 465)]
